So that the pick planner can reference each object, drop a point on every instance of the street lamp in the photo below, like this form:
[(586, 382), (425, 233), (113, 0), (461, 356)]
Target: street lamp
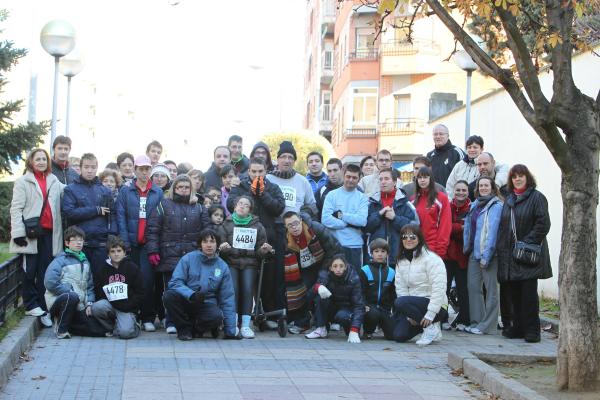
[(466, 63), (70, 65), (58, 39)]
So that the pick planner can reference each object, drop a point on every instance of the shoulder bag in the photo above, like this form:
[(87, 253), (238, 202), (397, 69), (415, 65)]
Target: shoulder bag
[(524, 253), (33, 229)]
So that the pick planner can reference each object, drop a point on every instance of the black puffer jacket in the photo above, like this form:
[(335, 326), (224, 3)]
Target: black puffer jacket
[(173, 230), (532, 223), (443, 161), (238, 257), (65, 175), (378, 286), (346, 292)]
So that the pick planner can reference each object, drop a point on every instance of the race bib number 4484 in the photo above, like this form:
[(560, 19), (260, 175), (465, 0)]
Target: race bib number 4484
[(244, 238)]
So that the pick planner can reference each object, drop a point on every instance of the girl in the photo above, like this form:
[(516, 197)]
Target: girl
[(161, 176), (125, 165), (111, 179), (228, 178), (197, 178), (216, 213)]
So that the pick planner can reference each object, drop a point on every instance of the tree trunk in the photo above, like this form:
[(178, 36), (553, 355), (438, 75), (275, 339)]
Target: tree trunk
[(578, 348)]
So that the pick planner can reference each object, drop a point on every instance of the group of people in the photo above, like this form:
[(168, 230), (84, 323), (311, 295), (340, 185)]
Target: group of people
[(146, 244)]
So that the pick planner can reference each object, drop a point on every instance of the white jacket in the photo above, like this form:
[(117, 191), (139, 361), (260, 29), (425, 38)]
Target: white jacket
[(370, 184), (468, 172), (424, 276)]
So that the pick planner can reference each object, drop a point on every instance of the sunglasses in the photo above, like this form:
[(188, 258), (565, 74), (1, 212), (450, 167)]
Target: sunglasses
[(409, 237)]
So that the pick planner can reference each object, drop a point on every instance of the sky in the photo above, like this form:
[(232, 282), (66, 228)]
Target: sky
[(190, 72)]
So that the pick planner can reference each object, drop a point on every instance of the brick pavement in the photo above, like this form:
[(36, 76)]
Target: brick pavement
[(158, 366)]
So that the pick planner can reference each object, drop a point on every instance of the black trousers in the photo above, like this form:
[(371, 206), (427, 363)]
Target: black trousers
[(96, 256), (70, 319), (526, 306), (453, 271), (35, 269), (506, 305), (327, 312), (187, 316), (379, 316)]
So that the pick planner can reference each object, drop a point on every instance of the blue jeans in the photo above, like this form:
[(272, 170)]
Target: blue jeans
[(353, 256), (327, 312), (415, 308), (139, 255)]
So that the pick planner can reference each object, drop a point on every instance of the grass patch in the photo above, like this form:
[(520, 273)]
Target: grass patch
[(549, 307), (12, 319), (4, 254)]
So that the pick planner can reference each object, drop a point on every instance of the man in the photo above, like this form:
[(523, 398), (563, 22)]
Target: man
[(221, 157), (184, 167), (90, 206), (418, 163), (466, 170), (335, 178), (60, 160), (170, 164), (134, 204), (486, 166), (370, 184), (444, 156), (316, 177), (345, 213), (154, 151), (389, 211), (238, 160), (261, 150)]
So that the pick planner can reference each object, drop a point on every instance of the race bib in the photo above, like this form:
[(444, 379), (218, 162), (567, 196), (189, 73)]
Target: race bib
[(306, 258), (289, 194), (143, 207), (244, 238), (115, 291)]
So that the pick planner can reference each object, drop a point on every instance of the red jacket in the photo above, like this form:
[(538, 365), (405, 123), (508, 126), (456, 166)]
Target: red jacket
[(455, 248), (436, 222)]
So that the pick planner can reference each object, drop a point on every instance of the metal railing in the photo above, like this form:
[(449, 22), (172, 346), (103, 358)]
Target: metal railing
[(403, 48), (10, 285), (399, 126), (360, 132), (363, 55)]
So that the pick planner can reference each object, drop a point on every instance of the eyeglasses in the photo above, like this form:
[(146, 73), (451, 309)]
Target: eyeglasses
[(183, 188), (409, 237), (294, 224)]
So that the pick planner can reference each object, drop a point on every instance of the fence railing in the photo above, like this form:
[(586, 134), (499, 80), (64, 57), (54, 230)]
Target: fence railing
[(10, 285)]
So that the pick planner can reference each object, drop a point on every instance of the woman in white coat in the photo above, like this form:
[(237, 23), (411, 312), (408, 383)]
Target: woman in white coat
[(36, 194), (421, 289)]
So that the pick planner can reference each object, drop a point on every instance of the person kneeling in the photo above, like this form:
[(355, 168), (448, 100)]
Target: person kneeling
[(421, 289), (338, 298), (70, 290), (120, 288), (200, 294)]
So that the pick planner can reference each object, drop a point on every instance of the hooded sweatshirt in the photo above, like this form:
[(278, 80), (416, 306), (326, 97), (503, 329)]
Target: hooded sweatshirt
[(127, 272), (269, 161)]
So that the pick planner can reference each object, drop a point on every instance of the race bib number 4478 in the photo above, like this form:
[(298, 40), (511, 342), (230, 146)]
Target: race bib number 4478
[(115, 291), (244, 238)]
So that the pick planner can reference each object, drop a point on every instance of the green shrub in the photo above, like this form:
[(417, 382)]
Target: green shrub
[(6, 189)]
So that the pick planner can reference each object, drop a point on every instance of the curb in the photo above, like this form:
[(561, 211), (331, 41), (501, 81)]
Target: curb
[(490, 378), (13, 345)]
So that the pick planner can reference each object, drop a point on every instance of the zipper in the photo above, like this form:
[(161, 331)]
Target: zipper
[(379, 288)]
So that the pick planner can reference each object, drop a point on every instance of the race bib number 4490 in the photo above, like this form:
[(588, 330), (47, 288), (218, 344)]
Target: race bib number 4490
[(115, 291), (244, 238), (289, 194)]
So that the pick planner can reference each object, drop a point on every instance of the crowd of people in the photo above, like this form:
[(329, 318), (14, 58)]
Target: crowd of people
[(147, 245)]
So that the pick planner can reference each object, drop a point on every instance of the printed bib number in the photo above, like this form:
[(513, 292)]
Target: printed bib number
[(289, 194), (306, 258), (115, 291), (244, 238), (143, 207)]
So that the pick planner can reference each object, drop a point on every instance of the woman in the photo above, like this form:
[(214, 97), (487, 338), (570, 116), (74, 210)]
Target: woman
[(529, 209), (367, 166), (111, 179), (479, 236), (243, 243), (421, 289), (173, 231), (125, 164), (197, 178), (228, 178), (161, 176), (36, 195), (433, 209)]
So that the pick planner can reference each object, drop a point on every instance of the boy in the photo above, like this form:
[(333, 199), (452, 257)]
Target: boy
[(70, 290), (379, 291), (120, 290)]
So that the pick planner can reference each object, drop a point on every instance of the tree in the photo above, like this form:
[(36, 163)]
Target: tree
[(532, 33), (304, 143), (14, 139)]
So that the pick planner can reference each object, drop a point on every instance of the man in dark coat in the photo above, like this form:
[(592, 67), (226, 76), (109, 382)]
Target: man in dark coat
[(212, 178), (444, 156), (238, 160), (60, 160)]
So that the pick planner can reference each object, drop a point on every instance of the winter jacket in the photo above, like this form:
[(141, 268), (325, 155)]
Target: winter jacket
[(436, 222), (173, 230), (67, 274), (66, 175), (267, 207), (378, 288), (322, 193), (346, 293), (326, 240), (211, 277), (265, 146), (380, 227), (500, 177), (455, 247), (317, 182), (237, 256), (128, 210), (369, 184), (27, 202), (241, 166), (81, 206), (481, 244), (443, 161), (212, 178), (128, 273), (532, 223), (424, 276)]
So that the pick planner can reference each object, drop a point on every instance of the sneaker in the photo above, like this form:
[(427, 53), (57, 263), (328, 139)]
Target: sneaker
[(319, 333), (432, 333), (447, 326), (148, 327), (35, 312), (271, 325), (475, 331), (247, 332), (171, 330), (109, 334), (63, 335), (461, 327), (46, 320), (185, 336), (335, 327)]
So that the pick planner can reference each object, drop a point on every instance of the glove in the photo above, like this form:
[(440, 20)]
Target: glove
[(323, 292), (258, 186), (353, 337), (20, 241), (154, 259), (197, 298)]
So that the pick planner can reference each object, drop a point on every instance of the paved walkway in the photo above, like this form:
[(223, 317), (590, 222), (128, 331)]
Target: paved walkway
[(158, 366)]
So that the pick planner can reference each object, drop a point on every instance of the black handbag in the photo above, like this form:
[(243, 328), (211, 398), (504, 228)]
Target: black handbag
[(524, 253), (33, 229)]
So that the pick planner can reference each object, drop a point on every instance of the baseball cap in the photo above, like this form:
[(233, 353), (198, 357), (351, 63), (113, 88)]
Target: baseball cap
[(142, 161)]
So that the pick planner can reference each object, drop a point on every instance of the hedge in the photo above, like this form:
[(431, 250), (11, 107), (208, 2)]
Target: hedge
[(6, 189)]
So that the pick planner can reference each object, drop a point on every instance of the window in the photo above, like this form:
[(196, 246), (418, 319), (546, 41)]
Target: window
[(364, 107), (327, 59), (364, 41), (326, 106)]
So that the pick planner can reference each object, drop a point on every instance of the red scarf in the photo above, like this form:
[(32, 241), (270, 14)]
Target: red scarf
[(387, 199), (46, 217), (519, 192)]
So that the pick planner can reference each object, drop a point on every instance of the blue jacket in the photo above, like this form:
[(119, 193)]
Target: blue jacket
[(66, 273), (81, 206), (317, 183), (381, 227), (212, 278), (128, 210), (483, 246), (378, 287)]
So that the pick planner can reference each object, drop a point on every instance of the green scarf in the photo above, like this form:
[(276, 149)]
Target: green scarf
[(241, 221), (80, 255)]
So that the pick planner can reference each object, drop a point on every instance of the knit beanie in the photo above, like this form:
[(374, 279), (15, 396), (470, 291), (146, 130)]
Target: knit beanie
[(161, 168), (286, 147)]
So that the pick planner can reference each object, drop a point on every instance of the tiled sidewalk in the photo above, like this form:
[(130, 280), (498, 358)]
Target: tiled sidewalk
[(158, 366)]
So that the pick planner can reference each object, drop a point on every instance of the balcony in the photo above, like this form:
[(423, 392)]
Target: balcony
[(363, 55), (402, 135), (325, 121), (328, 8), (399, 57), (327, 67), (360, 133)]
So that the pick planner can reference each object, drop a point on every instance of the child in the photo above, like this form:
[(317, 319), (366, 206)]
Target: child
[(212, 196), (216, 213), (70, 290), (120, 288), (378, 290), (339, 300)]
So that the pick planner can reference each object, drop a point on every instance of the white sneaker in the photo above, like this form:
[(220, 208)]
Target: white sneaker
[(475, 331), (271, 325), (247, 332), (319, 333), (432, 333), (171, 330), (35, 312), (461, 327), (149, 327), (446, 326), (335, 327)]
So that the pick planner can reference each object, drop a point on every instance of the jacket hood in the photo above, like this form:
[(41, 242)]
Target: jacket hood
[(490, 203), (512, 199), (169, 193), (266, 147), (206, 259)]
